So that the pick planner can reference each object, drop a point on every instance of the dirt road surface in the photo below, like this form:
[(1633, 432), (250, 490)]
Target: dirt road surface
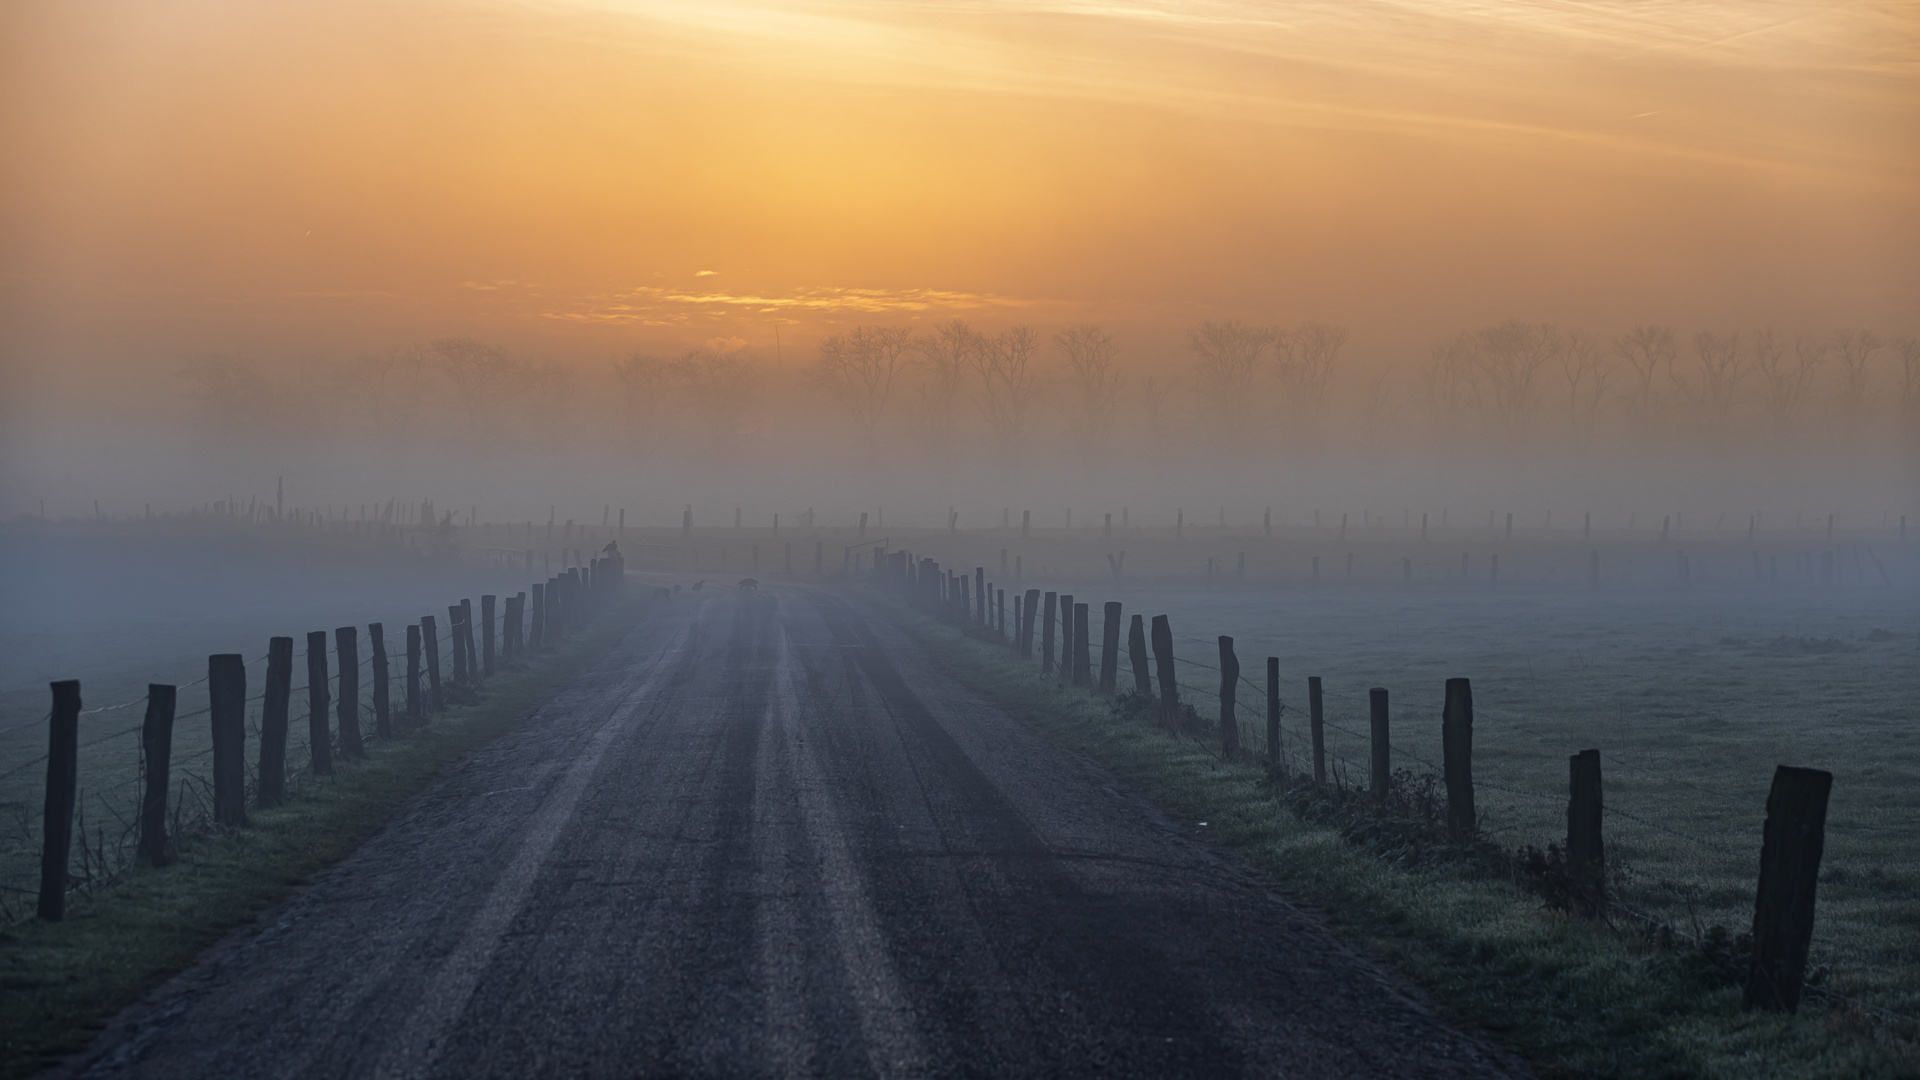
[(766, 835)]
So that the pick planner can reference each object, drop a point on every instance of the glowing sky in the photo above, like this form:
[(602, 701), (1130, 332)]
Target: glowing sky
[(583, 176)]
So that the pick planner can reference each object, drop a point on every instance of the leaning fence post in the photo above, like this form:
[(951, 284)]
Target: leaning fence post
[(1046, 635), (273, 722), (1229, 691), (430, 645), (382, 705), (347, 647), (1110, 649), (1456, 750), (486, 634), (1794, 836), (319, 740), (1381, 773), (1586, 859), (227, 694), (413, 671), (63, 782), (1317, 725), (156, 748), (467, 640), (1163, 662), (1273, 710), (1137, 656)]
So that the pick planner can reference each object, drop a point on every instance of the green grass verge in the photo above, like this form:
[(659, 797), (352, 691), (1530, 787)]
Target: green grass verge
[(61, 981), (1574, 998)]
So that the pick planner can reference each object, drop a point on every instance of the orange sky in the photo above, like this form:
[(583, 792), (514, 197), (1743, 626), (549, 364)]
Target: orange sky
[(584, 177)]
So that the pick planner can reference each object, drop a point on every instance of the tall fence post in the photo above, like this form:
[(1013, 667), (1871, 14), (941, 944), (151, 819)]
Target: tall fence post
[(274, 707), (1046, 635), (1456, 750), (1317, 728), (1586, 858), (1027, 615), (319, 739), (413, 671), (1273, 710), (1229, 692), (382, 686), (1110, 648), (156, 749), (1082, 667), (63, 783), (227, 694), (1169, 682), (1137, 655), (486, 634), (1380, 775), (468, 639), (346, 645), (1794, 838)]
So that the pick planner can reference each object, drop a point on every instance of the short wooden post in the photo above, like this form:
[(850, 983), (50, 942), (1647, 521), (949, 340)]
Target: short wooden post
[(1273, 710), (156, 748), (1137, 655), (1046, 635), (430, 646), (1082, 667), (1456, 750), (537, 631), (413, 671), (1163, 663), (1381, 759), (486, 634), (346, 646), (467, 639), (63, 785), (1229, 693), (1794, 838), (1027, 615), (1586, 858), (382, 687), (227, 694), (1110, 648), (1317, 728), (273, 722), (319, 737)]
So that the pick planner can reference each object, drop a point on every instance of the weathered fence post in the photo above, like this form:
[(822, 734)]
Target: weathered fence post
[(346, 645), (1163, 663), (382, 696), (1794, 837), (1027, 615), (467, 639), (1137, 655), (156, 748), (413, 671), (227, 696), (1046, 635), (1273, 710), (1317, 728), (1110, 648), (453, 639), (1456, 759), (1381, 760), (63, 783), (486, 634), (319, 740), (1586, 858), (1082, 667), (1065, 669), (273, 722), (430, 645), (537, 631), (1229, 692)]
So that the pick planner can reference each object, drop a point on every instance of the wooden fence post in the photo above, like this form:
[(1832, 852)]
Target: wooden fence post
[(537, 631), (1046, 635), (486, 634), (1082, 673), (273, 722), (1169, 682), (382, 686), (1317, 726), (227, 694), (413, 671), (1065, 668), (453, 639), (1110, 648), (1229, 692), (1586, 858), (1027, 616), (1456, 758), (346, 646), (430, 646), (467, 639), (156, 748), (980, 594), (1273, 710), (1137, 655), (1380, 774), (63, 783), (1794, 837), (319, 738)]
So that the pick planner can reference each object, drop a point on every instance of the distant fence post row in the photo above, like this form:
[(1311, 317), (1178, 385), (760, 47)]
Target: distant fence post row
[(1793, 834), (562, 605)]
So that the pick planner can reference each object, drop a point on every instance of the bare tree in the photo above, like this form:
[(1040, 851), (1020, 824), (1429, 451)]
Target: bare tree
[(1092, 354), (948, 355), (482, 376), (1717, 361), (1508, 357), (1587, 372), (1646, 349), (859, 367), (1786, 384), (719, 387), (1304, 359), (644, 382), (1226, 356), (1007, 381), (1856, 349), (1909, 349)]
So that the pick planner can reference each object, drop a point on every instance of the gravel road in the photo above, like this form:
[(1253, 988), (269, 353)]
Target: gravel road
[(767, 835)]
